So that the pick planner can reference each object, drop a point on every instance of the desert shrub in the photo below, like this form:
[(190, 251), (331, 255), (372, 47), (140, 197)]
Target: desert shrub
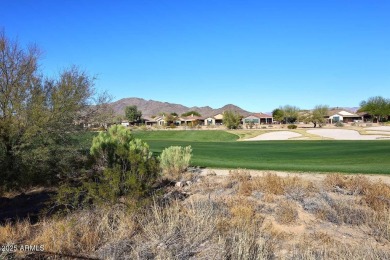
[(286, 212), (314, 204), (241, 179), (379, 223), (358, 185), (377, 196), (123, 167), (269, 183), (339, 124), (174, 161), (333, 180), (292, 126), (295, 188)]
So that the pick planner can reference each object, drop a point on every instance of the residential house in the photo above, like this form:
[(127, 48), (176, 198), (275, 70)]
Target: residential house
[(257, 119), (339, 115), (214, 120), (192, 120)]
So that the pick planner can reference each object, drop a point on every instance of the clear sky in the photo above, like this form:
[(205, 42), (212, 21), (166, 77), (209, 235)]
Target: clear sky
[(258, 55)]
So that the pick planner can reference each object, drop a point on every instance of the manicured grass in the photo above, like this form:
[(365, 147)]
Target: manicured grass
[(187, 135), (219, 149), (308, 156)]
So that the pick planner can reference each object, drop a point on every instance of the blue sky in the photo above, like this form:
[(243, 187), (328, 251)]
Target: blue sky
[(258, 55)]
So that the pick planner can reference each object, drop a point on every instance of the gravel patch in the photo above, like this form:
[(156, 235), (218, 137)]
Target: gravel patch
[(341, 134), (277, 135)]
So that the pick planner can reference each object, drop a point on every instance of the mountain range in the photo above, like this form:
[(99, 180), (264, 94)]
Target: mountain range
[(153, 108)]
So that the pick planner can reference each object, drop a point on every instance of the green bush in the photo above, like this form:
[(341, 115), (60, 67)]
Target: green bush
[(124, 165), (339, 124), (174, 161), (292, 126)]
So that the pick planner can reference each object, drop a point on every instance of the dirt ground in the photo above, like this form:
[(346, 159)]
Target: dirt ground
[(307, 175)]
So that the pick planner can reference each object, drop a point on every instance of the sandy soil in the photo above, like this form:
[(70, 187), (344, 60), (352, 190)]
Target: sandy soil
[(308, 175), (343, 134), (378, 128), (378, 132), (277, 135)]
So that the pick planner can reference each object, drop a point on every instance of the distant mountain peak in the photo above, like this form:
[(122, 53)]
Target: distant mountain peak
[(153, 107)]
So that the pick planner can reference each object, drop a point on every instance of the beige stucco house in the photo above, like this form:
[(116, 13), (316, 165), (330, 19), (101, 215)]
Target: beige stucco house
[(257, 119)]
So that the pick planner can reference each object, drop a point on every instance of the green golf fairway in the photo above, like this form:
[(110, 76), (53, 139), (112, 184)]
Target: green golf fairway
[(219, 149)]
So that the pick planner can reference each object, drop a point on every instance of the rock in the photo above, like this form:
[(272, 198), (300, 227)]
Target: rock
[(179, 184), (189, 183)]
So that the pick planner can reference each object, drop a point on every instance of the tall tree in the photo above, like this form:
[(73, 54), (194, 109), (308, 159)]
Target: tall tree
[(378, 107), (231, 119), (133, 114), (278, 114), (317, 115), (290, 113), (37, 116)]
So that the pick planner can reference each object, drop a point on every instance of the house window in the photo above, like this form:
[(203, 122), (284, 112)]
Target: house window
[(253, 121), (336, 119)]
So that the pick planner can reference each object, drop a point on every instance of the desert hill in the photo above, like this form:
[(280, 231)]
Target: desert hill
[(152, 107)]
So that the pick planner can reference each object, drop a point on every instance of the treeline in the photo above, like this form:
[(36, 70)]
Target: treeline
[(41, 116)]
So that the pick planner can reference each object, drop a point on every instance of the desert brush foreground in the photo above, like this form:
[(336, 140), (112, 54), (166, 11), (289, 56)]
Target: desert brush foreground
[(238, 216)]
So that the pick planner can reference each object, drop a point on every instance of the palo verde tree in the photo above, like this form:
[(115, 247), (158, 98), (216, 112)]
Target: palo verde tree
[(378, 107), (133, 114), (317, 115), (231, 119), (290, 113), (38, 117)]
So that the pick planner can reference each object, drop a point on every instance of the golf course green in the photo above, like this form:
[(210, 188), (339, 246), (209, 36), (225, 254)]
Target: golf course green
[(220, 149)]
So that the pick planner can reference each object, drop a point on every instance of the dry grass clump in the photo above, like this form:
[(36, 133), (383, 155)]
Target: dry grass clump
[(84, 231), (380, 225), (338, 250), (377, 196), (293, 187), (239, 179), (286, 213), (374, 194), (334, 180), (14, 233), (203, 229), (269, 183)]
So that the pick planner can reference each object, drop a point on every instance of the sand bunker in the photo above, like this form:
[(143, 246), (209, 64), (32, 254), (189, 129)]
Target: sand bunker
[(277, 135), (378, 128), (341, 134)]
